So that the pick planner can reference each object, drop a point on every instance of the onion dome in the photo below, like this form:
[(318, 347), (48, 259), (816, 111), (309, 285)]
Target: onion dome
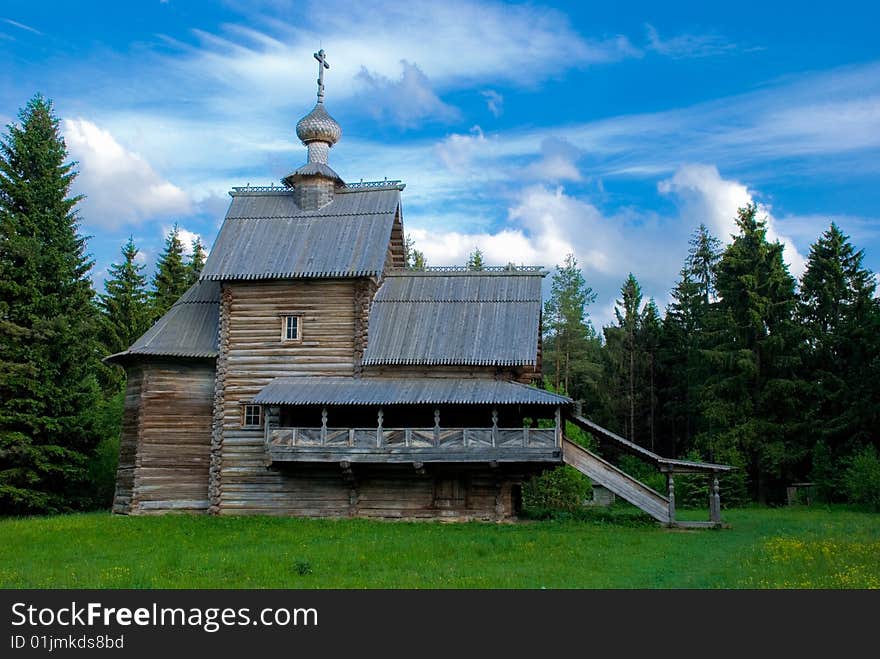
[(318, 126)]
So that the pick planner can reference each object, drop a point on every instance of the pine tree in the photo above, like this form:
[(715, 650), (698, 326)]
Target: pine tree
[(124, 303), (172, 278), (475, 260), (48, 323), (196, 262), (569, 338)]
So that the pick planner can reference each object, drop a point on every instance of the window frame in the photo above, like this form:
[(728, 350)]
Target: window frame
[(299, 328), (244, 416)]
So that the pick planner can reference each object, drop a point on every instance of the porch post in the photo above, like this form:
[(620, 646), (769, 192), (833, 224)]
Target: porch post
[(323, 425), (714, 499), (494, 426), (670, 487), (379, 428), (559, 426), (436, 426)]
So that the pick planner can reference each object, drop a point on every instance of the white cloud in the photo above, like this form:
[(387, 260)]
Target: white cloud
[(457, 151), (707, 197), (187, 237), (536, 233), (806, 228), (557, 163), (408, 100), (685, 45), (22, 26), (453, 43), (494, 101), (120, 186)]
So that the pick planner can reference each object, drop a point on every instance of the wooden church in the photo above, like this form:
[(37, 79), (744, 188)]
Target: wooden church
[(310, 373)]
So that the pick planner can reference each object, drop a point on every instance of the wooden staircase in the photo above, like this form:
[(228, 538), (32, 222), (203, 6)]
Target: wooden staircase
[(622, 484), (658, 506)]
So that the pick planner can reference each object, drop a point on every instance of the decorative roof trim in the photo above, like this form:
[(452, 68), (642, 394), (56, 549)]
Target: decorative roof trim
[(462, 271), (304, 216), (294, 275), (362, 186), (393, 184)]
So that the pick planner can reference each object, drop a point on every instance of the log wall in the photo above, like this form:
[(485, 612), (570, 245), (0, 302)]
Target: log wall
[(165, 446), (447, 492), (251, 332), (128, 442)]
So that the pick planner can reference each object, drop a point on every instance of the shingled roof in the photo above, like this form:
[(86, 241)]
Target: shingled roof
[(189, 329), (267, 236), (463, 318)]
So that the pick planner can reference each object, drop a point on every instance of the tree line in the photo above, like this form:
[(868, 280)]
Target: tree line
[(747, 366), (60, 405)]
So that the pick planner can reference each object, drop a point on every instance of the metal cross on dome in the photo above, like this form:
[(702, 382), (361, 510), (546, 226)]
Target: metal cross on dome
[(322, 64)]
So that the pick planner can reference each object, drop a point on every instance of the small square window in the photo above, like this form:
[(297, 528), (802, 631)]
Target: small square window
[(290, 328), (253, 416)]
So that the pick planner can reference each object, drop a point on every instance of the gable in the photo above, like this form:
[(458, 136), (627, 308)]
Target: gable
[(267, 236)]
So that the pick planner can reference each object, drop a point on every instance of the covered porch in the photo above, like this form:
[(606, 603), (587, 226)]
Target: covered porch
[(409, 420)]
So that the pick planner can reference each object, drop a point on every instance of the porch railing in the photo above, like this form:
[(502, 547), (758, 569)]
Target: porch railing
[(415, 438)]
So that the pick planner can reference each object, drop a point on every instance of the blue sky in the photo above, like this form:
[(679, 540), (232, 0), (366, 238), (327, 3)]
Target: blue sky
[(610, 130)]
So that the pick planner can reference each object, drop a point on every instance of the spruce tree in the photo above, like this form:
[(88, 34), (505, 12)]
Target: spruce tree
[(623, 345), (686, 331), (475, 260), (841, 320), (196, 261), (125, 303), (650, 334), (753, 401), (703, 257), (48, 323), (172, 278), (413, 258)]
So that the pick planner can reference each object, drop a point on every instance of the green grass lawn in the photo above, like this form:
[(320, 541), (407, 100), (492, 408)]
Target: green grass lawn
[(765, 548)]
